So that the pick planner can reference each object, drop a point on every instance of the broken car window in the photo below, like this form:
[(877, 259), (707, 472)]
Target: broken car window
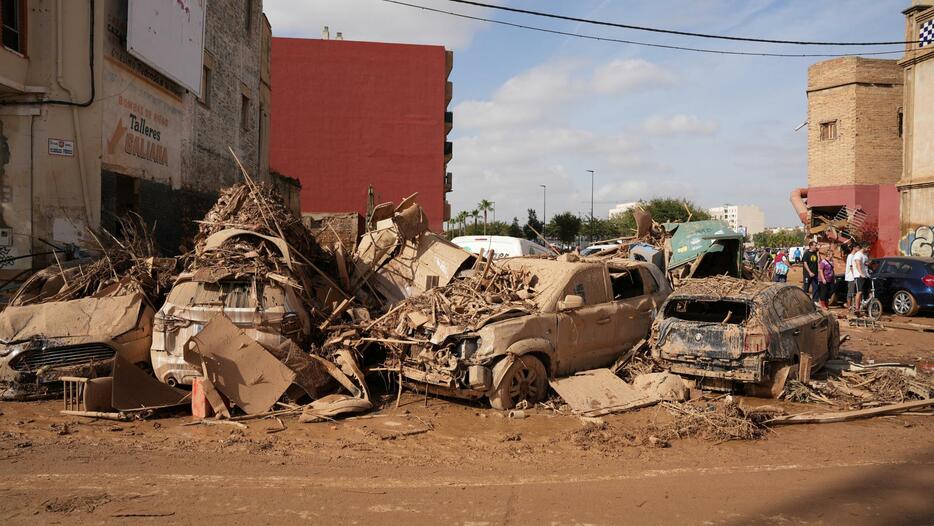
[(626, 284), (708, 311)]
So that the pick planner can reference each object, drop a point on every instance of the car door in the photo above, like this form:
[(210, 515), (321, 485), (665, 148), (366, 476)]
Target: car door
[(883, 272), (585, 333), (632, 288), (804, 328)]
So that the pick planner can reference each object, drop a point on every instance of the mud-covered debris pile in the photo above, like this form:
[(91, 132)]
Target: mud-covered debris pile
[(717, 421), (127, 264), (863, 388)]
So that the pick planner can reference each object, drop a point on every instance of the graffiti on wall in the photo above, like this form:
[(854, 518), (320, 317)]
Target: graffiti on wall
[(919, 242)]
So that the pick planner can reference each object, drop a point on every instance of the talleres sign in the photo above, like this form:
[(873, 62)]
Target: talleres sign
[(169, 36)]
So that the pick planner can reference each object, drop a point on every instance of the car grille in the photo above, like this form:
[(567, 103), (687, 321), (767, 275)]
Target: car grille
[(34, 359)]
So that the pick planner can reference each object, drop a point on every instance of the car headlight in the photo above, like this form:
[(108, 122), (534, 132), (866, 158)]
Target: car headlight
[(468, 347)]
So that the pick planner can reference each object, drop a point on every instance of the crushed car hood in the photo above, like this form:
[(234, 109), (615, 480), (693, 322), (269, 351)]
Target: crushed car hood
[(99, 317)]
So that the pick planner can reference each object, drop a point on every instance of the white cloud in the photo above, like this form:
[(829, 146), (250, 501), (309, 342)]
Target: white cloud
[(626, 75), (680, 124), (374, 21)]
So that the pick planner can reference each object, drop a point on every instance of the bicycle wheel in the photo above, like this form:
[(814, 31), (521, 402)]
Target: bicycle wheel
[(874, 309)]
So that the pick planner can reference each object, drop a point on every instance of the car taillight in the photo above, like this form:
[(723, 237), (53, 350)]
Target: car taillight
[(928, 280), (755, 342)]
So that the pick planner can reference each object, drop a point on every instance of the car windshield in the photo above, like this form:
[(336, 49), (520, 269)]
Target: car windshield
[(229, 294), (712, 311)]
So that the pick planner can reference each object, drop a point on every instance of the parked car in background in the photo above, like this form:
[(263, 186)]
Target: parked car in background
[(593, 249), (502, 246), (904, 284), (724, 332), (586, 315)]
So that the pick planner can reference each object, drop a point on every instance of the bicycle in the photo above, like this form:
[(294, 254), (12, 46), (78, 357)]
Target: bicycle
[(870, 306)]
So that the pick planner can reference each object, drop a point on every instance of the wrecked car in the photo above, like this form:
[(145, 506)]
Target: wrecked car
[(41, 343), (725, 332), (586, 314), (267, 311), (699, 249)]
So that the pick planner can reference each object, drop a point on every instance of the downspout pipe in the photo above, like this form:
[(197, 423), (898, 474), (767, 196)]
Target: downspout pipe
[(798, 195), (60, 78)]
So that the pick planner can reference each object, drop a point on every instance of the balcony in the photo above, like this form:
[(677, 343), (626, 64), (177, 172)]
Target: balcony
[(448, 182), (448, 151), (448, 122), (448, 92)]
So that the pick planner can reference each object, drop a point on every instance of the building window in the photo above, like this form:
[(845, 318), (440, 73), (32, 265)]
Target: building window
[(244, 112), (828, 131), (901, 122), (13, 20), (206, 84)]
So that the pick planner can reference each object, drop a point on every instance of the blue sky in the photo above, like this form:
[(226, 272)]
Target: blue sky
[(533, 108)]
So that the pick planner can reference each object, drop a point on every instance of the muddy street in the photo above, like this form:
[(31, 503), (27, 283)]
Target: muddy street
[(441, 461)]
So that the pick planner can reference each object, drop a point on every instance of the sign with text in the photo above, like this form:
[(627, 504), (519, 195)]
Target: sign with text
[(142, 127), (62, 147)]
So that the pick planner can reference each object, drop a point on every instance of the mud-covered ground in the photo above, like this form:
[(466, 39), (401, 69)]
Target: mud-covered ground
[(445, 462)]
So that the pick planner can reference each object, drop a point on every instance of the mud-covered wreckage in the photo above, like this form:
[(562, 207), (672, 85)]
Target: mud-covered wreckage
[(262, 319)]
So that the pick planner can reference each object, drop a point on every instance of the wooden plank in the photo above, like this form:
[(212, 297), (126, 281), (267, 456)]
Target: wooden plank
[(588, 392), (845, 416)]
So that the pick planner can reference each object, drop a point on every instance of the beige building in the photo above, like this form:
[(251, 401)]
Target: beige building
[(746, 218), (916, 186), (854, 111), (89, 131)]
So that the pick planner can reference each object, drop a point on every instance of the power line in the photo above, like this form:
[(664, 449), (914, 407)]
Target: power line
[(683, 33), (636, 43)]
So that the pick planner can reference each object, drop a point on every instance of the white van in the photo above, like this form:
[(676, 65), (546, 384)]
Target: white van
[(502, 246)]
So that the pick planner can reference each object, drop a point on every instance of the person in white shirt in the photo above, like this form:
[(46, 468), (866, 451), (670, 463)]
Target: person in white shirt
[(850, 278)]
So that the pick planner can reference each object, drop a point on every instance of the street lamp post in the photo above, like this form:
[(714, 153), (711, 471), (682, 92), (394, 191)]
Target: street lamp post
[(591, 205), (544, 202)]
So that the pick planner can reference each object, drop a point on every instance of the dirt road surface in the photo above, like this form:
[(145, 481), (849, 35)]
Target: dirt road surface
[(457, 463)]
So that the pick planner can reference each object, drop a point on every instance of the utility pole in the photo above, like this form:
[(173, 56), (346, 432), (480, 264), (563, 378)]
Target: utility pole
[(591, 205), (544, 202)]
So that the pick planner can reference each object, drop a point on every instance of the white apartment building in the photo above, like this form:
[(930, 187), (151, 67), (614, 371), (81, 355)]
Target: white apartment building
[(747, 218), (621, 208)]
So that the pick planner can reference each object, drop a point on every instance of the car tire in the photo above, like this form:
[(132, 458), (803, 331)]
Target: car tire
[(904, 304), (525, 379)]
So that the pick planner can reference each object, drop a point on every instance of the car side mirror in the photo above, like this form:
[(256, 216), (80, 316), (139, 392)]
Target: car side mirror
[(571, 302)]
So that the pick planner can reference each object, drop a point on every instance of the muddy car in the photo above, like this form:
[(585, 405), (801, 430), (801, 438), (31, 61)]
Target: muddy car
[(588, 314), (41, 343), (268, 311), (725, 332)]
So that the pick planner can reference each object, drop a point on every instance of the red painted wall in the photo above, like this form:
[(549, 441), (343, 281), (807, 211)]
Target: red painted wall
[(881, 203), (349, 114)]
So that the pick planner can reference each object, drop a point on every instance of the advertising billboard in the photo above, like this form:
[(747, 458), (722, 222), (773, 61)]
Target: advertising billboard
[(169, 36)]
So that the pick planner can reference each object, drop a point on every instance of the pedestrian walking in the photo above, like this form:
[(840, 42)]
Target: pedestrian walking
[(810, 269), (825, 277), (849, 276), (780, 267)]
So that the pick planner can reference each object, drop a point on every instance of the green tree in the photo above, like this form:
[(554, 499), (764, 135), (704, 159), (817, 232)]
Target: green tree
[(780, 239), (475, 214), (514, 229), (564, 226), (535, 223), (484, 206), (599, 229), (663, 210)]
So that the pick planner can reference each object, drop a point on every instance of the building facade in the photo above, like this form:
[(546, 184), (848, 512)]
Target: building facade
[(748, 219), (916, 185), (90, 132), (855, 119), (347, 116)]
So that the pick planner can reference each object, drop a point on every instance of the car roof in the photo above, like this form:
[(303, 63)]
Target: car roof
[(722, 287), (919, 259)]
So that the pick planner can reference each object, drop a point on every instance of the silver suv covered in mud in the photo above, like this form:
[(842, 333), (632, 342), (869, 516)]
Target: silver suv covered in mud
[(267, 311), (588, 314)]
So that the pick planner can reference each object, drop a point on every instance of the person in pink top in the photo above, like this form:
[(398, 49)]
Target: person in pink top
[(825, 276)]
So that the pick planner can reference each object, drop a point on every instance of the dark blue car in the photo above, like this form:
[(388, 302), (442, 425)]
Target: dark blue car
[(904, 284)]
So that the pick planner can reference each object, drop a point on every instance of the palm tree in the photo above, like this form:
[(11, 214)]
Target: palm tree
[(461, 219), (484, 206), (474, 214)]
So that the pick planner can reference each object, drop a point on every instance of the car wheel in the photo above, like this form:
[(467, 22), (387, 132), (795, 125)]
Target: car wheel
[(525, 379), (904, 304), (874, 309)]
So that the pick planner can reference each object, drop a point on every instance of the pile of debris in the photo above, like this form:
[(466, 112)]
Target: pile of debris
[(852, 386), (126, 265)]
